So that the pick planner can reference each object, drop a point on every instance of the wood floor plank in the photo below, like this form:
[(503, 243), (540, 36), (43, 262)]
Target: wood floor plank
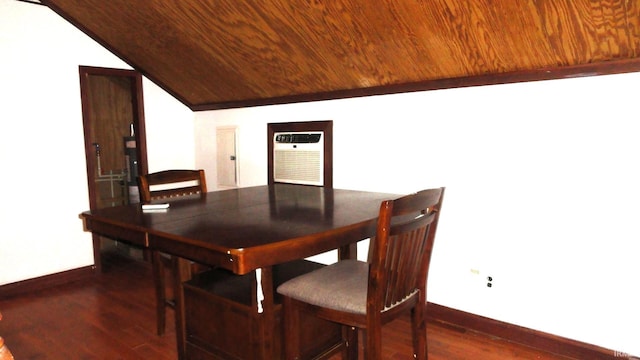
[(112, 316)]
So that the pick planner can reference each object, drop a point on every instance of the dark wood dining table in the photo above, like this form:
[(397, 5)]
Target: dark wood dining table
[(246, 230)]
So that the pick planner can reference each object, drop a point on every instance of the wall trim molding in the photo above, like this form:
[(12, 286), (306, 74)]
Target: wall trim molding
[(536, 339), (619, 66), (47, 281)]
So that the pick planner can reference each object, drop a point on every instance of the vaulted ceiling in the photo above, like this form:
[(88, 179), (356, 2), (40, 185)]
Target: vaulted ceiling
[(227, 53)]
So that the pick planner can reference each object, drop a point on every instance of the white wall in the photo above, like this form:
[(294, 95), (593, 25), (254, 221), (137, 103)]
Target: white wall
[(42, 142), (542, 192)]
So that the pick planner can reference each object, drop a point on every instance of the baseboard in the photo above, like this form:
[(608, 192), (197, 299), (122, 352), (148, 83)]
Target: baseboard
[(437, 313), (47, 281), (521, 335)]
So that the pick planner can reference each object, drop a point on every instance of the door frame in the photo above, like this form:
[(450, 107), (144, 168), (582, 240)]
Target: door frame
[(138, 122)]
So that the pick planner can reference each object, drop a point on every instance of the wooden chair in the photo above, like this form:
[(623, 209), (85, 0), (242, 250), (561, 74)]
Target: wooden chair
[(158, 187), (5, 354), (366, 295)]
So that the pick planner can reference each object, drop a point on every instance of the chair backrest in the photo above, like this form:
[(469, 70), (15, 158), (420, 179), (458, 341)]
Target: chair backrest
[(188, 182), (401, 253)]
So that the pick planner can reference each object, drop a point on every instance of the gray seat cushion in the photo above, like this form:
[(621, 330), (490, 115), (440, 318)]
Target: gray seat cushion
[(341, 286)]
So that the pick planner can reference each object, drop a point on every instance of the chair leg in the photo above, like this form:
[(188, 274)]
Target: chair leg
[(161, 297), (350, 337), (372, 342), (419, 332), (372, 337), (291, 338)]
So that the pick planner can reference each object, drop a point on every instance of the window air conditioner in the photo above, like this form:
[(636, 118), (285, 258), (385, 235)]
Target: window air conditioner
[(298, 158)]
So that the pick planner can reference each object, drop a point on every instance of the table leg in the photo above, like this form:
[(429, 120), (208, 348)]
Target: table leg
[(97, 257), (348, 252), (181, 273)]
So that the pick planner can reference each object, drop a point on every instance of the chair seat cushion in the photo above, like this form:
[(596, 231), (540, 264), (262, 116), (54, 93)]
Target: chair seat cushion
[(341, 286)]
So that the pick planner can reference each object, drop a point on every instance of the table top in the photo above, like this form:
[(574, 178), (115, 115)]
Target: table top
[(248, 228)]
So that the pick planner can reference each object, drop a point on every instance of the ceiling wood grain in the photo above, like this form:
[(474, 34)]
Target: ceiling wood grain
[(222, 53)]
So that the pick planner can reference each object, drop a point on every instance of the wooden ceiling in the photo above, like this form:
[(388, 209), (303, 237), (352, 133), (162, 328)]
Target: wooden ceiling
[(214, 54)]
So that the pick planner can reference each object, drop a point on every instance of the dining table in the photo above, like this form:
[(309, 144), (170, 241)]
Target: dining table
[(246, 230)]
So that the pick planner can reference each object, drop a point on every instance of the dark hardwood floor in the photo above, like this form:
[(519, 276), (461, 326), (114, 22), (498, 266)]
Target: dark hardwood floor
[(112, 317)]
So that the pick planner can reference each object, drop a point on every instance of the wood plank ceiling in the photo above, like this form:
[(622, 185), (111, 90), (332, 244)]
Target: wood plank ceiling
[(226, 53)]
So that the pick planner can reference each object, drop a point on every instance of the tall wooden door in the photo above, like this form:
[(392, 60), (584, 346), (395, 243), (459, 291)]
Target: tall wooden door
[(226, 160), (114, 134)]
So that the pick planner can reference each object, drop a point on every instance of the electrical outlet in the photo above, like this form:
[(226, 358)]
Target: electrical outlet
[(487, 280)]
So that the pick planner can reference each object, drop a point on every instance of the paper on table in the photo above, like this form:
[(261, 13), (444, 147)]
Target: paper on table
[(155, 206), (259, 293)]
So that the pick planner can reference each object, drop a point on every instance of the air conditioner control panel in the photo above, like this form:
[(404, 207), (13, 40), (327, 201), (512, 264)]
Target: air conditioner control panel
[(298, 138)]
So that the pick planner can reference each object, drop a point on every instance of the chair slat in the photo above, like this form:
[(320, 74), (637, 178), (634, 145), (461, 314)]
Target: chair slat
[(180, 181)]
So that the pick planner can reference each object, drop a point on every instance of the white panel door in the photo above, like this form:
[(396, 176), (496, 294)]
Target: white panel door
[(226, 159)]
